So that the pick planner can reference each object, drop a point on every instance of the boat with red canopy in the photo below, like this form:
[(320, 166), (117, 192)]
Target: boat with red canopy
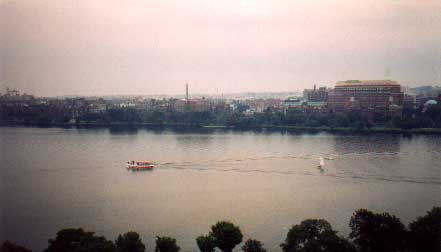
[(140, 165)]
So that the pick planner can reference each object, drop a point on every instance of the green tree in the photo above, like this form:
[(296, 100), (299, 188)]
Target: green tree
[(295, 117), (377, 232), (253, 246), (129, 242), (77, 240), (8, 246), (315, 235), (166, 244), (206, 243), (227, 235), (426, 232)]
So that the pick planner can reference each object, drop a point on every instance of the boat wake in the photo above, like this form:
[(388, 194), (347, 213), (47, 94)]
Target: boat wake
[(342, 175), (338, 166)]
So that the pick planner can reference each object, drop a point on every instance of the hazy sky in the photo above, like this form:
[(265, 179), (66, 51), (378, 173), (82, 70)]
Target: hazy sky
[(101, 47)]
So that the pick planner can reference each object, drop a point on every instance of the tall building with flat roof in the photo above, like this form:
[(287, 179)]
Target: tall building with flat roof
[(366, 95), (316, 94)]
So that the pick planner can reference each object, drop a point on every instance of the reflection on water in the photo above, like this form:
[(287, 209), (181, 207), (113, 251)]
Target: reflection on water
[(126, 130), (371, 144), (264, 181)]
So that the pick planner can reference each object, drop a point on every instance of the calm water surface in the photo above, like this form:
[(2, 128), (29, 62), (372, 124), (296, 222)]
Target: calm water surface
[(55, 178)]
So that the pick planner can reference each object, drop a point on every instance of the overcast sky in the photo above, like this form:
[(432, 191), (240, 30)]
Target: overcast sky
[(105, 47)]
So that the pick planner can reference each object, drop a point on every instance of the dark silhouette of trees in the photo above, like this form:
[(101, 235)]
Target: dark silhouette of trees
[(8, 246), (226, 235), (253, 246), (129, 242), (315, 235), (127, 115), (77, 240), (373, 232), (434, 113), (101, 118), (166, 244), (206, 243), (425, 232)]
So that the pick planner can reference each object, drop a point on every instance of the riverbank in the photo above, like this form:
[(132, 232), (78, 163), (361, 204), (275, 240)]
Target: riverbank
[(226, 127)]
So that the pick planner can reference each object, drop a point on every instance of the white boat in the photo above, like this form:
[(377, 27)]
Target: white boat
[(140, 165), (322, 163)]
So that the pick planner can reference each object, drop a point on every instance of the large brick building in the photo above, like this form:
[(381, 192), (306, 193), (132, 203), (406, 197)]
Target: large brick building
[(366, 95)]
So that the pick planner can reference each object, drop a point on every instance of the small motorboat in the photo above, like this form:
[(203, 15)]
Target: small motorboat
[(140, 165)]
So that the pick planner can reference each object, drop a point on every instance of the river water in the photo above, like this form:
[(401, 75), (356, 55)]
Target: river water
[(53, 178)]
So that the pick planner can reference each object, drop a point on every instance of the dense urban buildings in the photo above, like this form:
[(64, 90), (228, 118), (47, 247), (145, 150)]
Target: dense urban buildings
[(375, 102)]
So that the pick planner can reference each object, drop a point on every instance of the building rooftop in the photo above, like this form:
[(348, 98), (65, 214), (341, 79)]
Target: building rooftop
[(352, 83)]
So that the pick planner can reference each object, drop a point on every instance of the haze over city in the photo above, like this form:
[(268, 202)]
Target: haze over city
[(53, 47)]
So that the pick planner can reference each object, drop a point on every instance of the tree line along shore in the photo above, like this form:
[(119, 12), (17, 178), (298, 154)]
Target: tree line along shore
[(370, 232), (424, 119)]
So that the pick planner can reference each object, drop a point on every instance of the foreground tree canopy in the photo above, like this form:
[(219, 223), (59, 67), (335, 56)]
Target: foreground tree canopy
[(425, 232), (129, 242), (314, 236), (206, 243), (253, 246), (370, 232), (377, 232), (76, 240), (166, 244), (8, 246), (226, 235)]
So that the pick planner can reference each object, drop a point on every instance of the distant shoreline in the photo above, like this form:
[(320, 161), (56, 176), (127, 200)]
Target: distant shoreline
[(261, 127)]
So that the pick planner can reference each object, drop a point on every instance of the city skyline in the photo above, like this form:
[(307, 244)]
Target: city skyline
[(56, 48)]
